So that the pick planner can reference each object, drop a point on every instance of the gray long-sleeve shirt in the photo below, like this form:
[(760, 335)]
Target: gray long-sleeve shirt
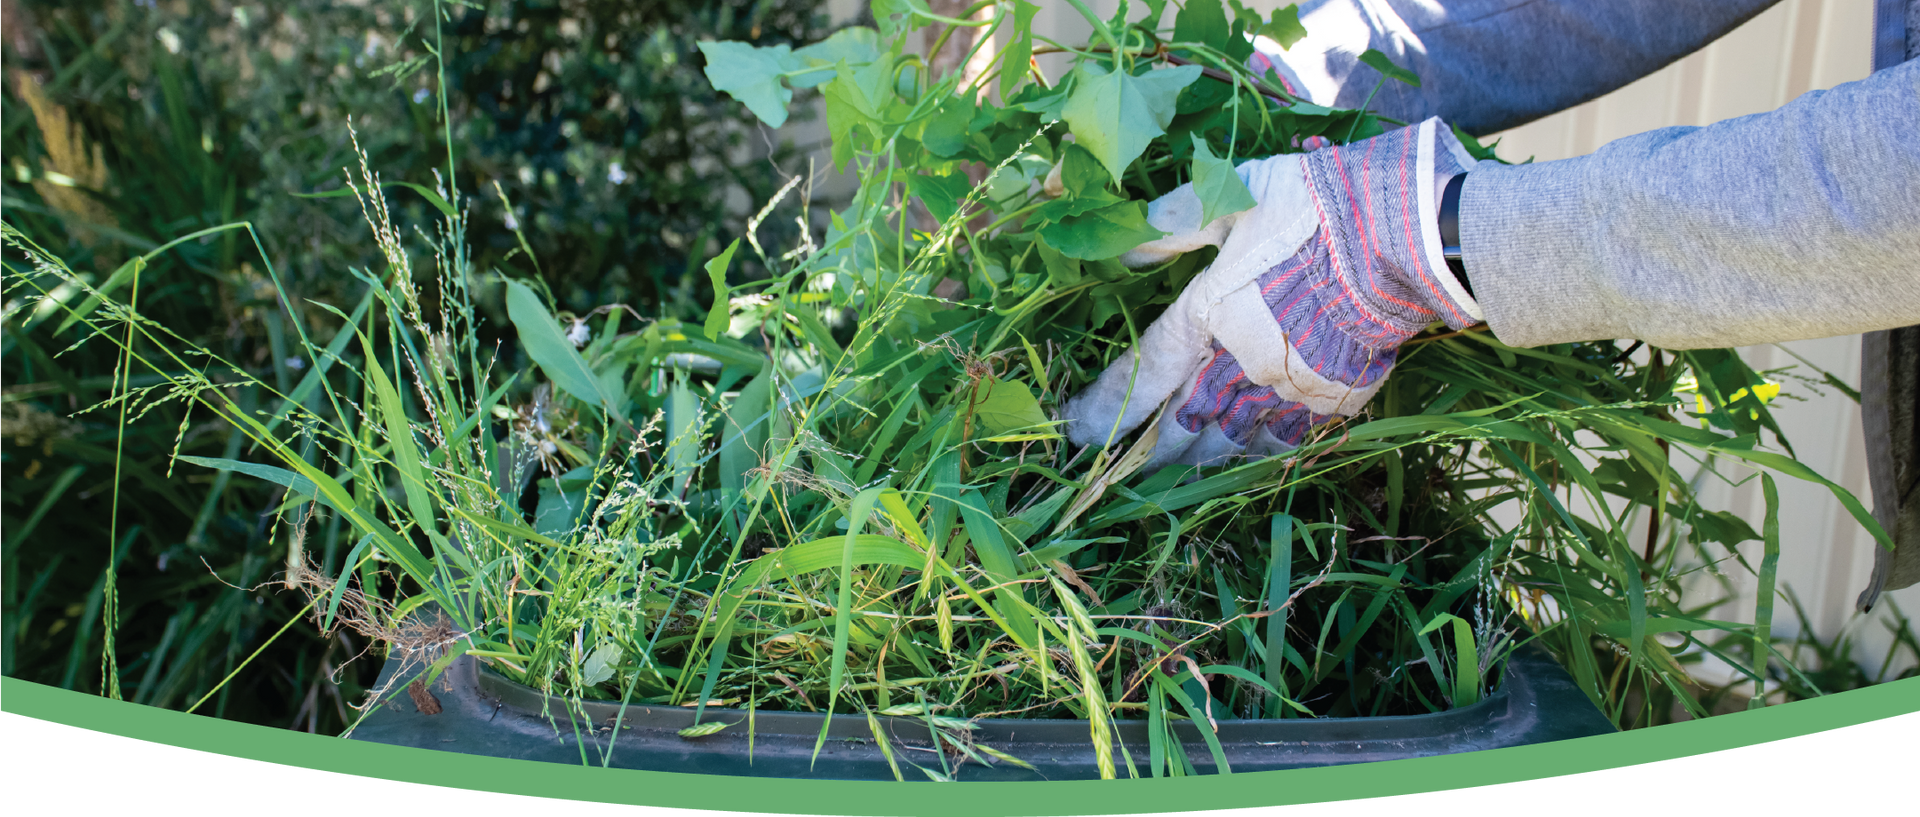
[(1796, 223)]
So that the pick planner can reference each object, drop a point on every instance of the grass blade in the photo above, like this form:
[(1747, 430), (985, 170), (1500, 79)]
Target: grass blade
[(1763, 597)]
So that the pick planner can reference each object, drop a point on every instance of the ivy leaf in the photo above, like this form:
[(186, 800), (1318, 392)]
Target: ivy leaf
[(752, 76), (1722, 527), (1202, 21), (856, 97), (540, 335), (1379, 62), (599, 666), (855, 45), (1474, 147), (1219, 187), (1047, 102), (1080, 172), (1103, 233), (1013, 66), (941, 194), (1062, 272), (717, 318), (947, 129), (897, 16), (1284, 28), (1001, 406), (1116, 115)]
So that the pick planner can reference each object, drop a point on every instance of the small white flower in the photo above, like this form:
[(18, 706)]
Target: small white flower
[(169, 39), (616, 174), (421, 96), (296, 364), (579, 334)]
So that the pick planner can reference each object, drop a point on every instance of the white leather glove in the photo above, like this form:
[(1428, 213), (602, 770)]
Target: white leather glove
[(1300, 316)]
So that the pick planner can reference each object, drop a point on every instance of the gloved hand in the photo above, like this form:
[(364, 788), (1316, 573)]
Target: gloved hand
[(1301, 315)]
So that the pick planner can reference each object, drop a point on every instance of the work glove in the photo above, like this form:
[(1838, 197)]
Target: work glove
[(1301, 315)]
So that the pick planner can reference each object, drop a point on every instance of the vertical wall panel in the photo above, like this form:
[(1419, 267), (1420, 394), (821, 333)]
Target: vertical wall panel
[(1797, 46)]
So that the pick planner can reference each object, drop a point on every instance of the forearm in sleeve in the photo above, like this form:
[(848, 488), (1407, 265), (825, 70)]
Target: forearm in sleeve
[(1489, 65), (1797, 223)]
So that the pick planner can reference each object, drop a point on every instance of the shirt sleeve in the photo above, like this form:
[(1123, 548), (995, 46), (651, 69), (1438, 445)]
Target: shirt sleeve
[(1797, 223), (1489, 65)]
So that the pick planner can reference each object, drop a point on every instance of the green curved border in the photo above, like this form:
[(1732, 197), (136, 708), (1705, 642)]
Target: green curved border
[(860, 798)]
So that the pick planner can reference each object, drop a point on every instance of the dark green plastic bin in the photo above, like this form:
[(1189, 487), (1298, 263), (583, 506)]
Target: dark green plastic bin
[(485, 714)]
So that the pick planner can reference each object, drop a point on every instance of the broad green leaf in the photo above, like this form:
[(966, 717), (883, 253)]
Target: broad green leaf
[(808, 557), (857, 514), (406, 453), (1116, 115), (1219, 187), (600, 664), (340, 587), (941, 194), (996, 557), (853, 44), (1081, 174), (1794, 468), (752, 76), (1202, 21), (512, 530), (685, 437), (279, 476), (1763, 596), (549, 347), (1284, 27), (948, 130), (1103, 233), (1466, 683), (745, 434), (1379, 62), (717, 317), (1048, 104), (1619, 628), (1720, 526), (554, 515), (404, 552), (856, 97), (1014, 65), (1001, 406)]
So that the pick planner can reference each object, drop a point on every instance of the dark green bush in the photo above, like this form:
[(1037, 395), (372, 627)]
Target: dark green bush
[(128, 125)]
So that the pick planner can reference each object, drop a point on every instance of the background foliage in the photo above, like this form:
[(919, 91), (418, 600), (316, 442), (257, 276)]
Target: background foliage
[(127, 125)]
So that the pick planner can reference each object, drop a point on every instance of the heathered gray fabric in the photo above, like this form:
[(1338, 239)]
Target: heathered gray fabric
[(1489, 65), (1801, 222)]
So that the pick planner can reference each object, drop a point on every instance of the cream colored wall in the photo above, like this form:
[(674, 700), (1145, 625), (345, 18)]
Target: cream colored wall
[(1797, 46)]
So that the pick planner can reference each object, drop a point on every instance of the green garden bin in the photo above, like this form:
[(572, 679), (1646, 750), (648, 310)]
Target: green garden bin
[(483, 713)]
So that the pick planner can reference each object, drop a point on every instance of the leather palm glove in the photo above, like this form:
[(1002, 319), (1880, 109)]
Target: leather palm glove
[(1301, 315)]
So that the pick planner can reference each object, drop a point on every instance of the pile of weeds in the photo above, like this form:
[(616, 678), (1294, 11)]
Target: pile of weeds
[(843, 488)]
